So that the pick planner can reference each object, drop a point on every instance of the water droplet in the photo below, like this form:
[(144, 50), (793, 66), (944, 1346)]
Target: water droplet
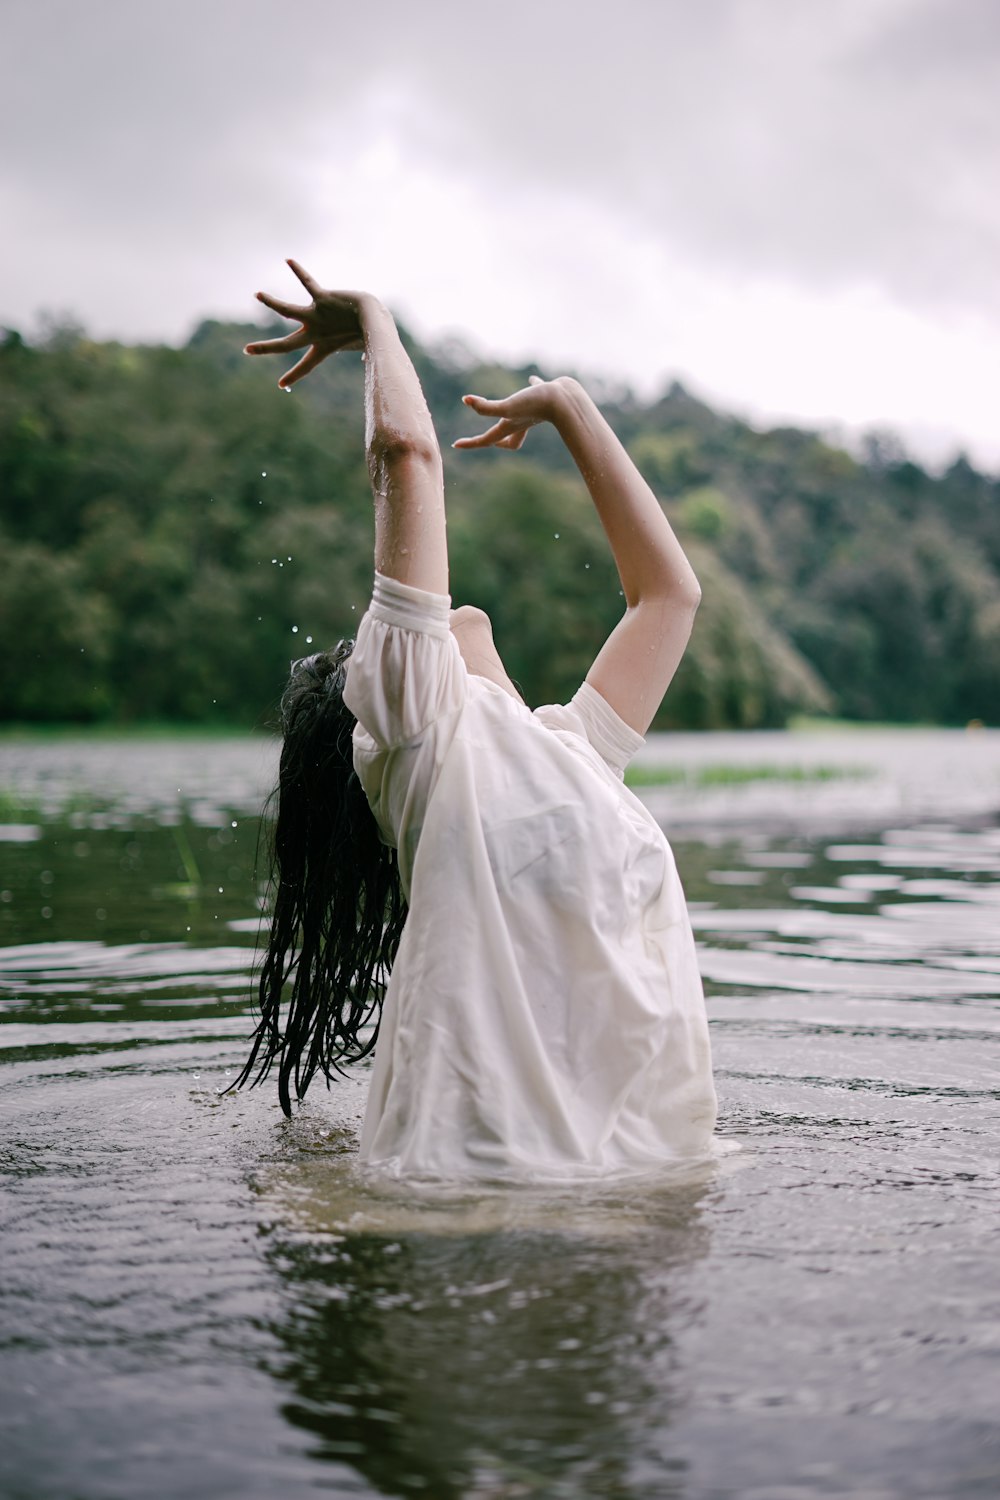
[(221, 889), (295, 630), (263, 473), (586, 565), (234, 824), (556, 535), (309, 640)]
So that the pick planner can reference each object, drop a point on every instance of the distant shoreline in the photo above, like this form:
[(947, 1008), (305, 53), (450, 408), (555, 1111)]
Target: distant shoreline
[(43, 731), (805, 782)]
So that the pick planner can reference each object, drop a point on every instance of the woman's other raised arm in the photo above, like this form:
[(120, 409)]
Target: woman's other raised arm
[(635, 666), (404, 460)]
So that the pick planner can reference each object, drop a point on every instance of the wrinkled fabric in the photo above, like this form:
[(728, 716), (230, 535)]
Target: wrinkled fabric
[(544, 1016)]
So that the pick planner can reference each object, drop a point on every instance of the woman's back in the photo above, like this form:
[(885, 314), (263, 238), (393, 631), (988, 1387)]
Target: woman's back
[(545, 1013)]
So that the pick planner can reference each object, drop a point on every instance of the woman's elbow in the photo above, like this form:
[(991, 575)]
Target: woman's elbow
[(396, 448), (691, 594), (682, 592), (404, 462)]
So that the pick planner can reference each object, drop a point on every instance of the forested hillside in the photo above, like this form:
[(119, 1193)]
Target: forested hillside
[(174, 530)]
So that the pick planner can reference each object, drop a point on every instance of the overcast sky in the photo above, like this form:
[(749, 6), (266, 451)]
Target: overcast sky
[(791, 205)]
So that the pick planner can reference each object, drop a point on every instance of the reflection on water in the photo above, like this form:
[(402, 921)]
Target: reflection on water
[(516, 1361), (202, 1299)]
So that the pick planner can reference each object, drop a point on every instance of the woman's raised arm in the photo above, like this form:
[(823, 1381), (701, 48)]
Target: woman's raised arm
[(637, 662), (404, 460)]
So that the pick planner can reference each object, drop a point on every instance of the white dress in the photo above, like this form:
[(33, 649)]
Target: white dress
[(544, 1017)]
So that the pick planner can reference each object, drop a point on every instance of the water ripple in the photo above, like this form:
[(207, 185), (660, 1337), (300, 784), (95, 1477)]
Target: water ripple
[(201, 1298)]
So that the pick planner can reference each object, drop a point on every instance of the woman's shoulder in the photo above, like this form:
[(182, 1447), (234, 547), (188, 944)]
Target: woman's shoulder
[(591, 718)]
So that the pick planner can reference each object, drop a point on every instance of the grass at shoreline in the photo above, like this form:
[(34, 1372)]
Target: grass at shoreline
[(154, 730), (811, 724), (800, 725)]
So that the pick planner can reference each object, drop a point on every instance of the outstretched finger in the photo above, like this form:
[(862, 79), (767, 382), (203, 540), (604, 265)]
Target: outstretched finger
[(286, 309), (309, 361), (484, 405), (486, 439), (284, 345), (311, 285)]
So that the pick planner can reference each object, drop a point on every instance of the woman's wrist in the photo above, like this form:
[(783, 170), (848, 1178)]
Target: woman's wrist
[(570, 403), (370, 309)]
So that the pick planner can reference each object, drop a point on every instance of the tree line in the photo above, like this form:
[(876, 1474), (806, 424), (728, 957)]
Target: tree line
[(173, 531)]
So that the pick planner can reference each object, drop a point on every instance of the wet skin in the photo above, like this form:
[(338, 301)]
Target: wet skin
[(473, 631)]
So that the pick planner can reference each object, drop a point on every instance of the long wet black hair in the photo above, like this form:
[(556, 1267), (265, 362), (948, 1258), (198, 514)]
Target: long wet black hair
[(337, 906)]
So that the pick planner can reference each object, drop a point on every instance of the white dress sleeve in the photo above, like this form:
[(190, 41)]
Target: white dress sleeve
[(406, 671), (592, 717)]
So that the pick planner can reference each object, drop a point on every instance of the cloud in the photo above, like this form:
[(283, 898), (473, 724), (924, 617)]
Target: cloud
[(857, 141), (853, 143), (544, 174)]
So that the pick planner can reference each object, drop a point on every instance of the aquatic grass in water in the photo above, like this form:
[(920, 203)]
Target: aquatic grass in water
[(736, 775), (200, 1298)]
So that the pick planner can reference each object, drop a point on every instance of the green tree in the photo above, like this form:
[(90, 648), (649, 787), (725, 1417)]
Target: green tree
[(182, 529), (56, 637)]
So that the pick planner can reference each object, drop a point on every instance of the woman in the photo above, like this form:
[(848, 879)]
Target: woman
[(543, 1014)]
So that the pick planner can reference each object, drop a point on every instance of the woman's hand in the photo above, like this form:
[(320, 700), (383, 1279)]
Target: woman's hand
[(538, 402), (333, 321)]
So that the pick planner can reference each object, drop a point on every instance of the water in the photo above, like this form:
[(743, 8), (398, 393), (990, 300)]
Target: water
[(200, 1298)]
